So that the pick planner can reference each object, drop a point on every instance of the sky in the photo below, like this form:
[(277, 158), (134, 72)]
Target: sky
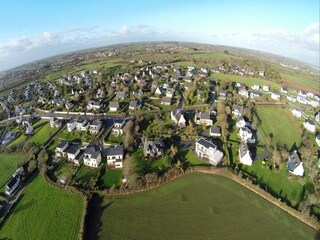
[(31, 30)]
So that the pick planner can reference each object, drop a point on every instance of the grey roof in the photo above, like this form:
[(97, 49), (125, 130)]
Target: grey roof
[(204, 115), (72, 148), (63, 144), (111, 151), (166, 99), (294, 161), (12, 182), (114, 104), (309, 121), (237, 107), (120, 94), (243, 149), (215, 130), (205, 142), (71, 121)]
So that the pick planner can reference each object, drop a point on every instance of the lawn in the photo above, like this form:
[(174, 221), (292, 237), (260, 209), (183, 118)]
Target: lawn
[(110, 177), (75, 136), (187, 154), (86, 176), (8, 164), (43, 134), (44, 212), (281, 124), (195, 206), (277, 181), (300, 79), (249, 81)]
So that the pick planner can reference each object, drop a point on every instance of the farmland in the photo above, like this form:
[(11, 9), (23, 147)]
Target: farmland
[(275, 121), (195, 206), (44, 212), (8, 164)]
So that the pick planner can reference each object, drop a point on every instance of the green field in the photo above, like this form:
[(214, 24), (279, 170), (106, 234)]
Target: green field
[(280, 122), (8, 164), (303, 79), (249, 81), (110, 177), (195, 206), (43, 134), (277, 181), (44, 212)]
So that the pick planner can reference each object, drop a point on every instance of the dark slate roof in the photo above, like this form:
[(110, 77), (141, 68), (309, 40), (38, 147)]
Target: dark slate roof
[(80, 155), (215, 130), (12, 182), (294, 161), (63, 144), (111, 151), (205, 142), (309, 121), (72, 148), (93, 150)]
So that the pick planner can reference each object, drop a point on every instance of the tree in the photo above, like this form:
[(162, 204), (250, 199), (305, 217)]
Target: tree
[(129, 141), (277, 158), (32, 166), (228, 110)]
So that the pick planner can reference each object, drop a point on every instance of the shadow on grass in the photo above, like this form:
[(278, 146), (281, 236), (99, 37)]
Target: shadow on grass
[(94, 216)]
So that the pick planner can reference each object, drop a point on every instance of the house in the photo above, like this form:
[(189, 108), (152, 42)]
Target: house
[(205, 149), (284, 89), (178, 118), (292, 99), (71, 125), (28, 129), (60, 149), (318, 140), (55, 123), (318, 117), (297, 112), (215, 131), (255, 87), (203, 119), (244, 93), (121, 95), (302, 93), (117, 129), (245, 155), (72, 151), (237, 110), (94, 127), (92, 156), (309, 125), (113, 106), (115, 156), (302, 100), (266, 88), (138, 93), (8, 138), (275, 96), (134, 105), (166, 101), (153, 148), (222, 95), (169, 92), (100, 93), (245, 134), (82, 124), (261, 73), (12, 185), (159, 90), (79, 158), (254, 95), (295, 165), (92, 105), (241, 123)]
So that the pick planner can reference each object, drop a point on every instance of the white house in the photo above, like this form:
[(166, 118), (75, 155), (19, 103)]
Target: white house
[(113, 106), (284, 89), (309, 125), (82, 124), (292, 99), (302, 100), (241, 123), (72, 151), (318, 140), (237, 110), (71, 125), (215, 131), (12, 185), (117, 129), (92, 156), (243, 93), (60, 149), (255, 87), (313, 103), (266, 88), (28, 129), (178, 118), (205, 149), (245, 134), (115, 156), (275, 96), (95, 126), (92, 105), (295, 165), (245, 154), (318, 117), (203, 119), (153, 148), (297, 112)]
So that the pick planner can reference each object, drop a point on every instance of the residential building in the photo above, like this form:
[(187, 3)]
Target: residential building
[(245, 155), (292, 98), (241, 123), (284, 89), (134, 105), (8, 138), (121, 95), (113, 106), (115, 156), (275, 96), (205, 149), (302, 100), (245, 134), (255, 87), (153, 148), (27, 127), (12, 185), (318, 140), (82, 124), (266, 88), (55, 123), (71, 125), (297, 112), (117, 129), (295, 165), (92, 105), (309, 125), (72, 151), (94, 127), (60, 149), (215, 131), (203, 119), (237, 110), (178, 118), (166, 101), (318, 117), (92, 156)]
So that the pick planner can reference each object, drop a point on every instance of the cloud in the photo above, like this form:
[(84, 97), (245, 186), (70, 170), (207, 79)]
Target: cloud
[(140, 29)]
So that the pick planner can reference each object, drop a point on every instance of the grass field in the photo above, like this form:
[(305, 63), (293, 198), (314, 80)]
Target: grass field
[(277, 181), (280, 122), (8, 164), (249, 81), (43, 134), (44, 212), (301, 79), (195, 206), (110, 177)]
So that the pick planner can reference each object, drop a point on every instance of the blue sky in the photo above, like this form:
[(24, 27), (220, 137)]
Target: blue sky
[(32, 29)]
